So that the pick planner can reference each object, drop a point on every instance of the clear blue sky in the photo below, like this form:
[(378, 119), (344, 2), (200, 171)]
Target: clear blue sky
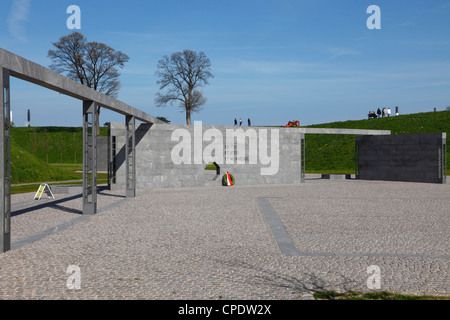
[(273, 60)]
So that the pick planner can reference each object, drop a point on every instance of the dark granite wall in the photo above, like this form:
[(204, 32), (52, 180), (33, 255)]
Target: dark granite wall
[(405, 157)]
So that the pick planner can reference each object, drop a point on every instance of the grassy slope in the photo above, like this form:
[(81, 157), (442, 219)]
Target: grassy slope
[(26, 168), (336, 153), (52, 144), (46, 154), (34, 150)]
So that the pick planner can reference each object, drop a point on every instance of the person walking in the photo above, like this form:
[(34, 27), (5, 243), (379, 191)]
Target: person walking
[(240, 122), (235, 122), (384, 112), (249, 122), (389, 112), (379, 113)]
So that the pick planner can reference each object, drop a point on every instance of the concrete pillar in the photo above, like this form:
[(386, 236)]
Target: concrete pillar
[(89, 158), (111, 156), (303, 158), (130, 148), (443, 151), (5, 162)]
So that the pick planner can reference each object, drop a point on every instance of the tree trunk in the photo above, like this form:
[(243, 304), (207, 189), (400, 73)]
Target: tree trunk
[(188, 116)]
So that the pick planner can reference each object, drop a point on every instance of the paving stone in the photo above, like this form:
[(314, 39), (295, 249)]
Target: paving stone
[(211, 242)]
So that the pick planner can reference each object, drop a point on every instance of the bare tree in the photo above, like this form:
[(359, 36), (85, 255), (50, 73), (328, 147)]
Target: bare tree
[(182, 74), (92, 64)]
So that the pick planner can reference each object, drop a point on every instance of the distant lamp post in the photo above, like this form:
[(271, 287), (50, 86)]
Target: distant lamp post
[(28, 124)]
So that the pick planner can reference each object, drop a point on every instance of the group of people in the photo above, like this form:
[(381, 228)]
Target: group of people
[(240, 122), (381, 113)]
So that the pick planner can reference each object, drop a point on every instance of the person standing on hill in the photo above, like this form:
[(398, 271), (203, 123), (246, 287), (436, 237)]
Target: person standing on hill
[(379, 112)]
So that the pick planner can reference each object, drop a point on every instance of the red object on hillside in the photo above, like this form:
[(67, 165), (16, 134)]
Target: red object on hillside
[(293, 124)]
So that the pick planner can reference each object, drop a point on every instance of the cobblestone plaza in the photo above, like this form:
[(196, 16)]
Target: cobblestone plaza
[(275, 242)]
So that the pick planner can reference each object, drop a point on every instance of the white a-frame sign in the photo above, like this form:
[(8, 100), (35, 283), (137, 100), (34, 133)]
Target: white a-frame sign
[(44, 188)]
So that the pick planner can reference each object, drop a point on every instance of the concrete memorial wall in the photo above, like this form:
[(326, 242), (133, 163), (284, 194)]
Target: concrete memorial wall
[(177, 155)]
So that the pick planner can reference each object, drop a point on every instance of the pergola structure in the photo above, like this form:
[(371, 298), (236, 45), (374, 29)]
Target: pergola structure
[(12, 65)]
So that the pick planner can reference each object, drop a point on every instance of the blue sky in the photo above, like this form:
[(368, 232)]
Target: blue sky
[(274, 61)]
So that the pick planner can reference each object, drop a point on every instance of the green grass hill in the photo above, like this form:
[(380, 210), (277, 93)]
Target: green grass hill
[(46, 154), (336, 153), (27, 168), (52, 144), (51, 153)]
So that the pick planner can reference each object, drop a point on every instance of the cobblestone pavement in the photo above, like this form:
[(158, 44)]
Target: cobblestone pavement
[(217, 243)]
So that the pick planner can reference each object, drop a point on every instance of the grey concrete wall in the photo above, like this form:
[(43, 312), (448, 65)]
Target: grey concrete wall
[(410, 157), (155, 167)]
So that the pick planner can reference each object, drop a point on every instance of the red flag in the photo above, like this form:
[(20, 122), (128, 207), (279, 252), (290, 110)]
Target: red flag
[(229, 180)]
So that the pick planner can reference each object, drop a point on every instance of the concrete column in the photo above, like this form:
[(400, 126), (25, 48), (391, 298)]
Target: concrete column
[(130, 148), (111, 155), (444, 158), (89, 158), (5, 162), (303, 158)]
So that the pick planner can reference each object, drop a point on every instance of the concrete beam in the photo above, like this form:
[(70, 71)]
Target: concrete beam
[(358, 132), (32, 72)]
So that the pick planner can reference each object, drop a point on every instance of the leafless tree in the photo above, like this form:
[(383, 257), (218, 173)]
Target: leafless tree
[(92, 64), (182, 74)]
